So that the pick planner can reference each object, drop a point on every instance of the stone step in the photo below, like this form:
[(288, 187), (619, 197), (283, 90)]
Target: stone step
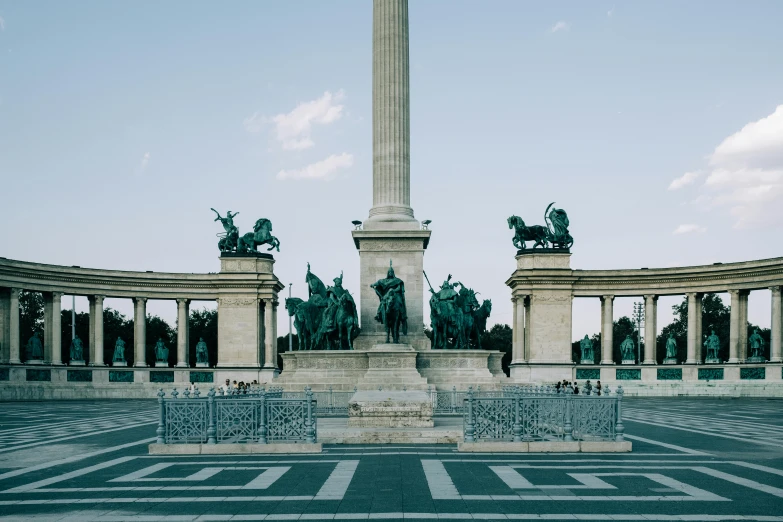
[(389, 436)]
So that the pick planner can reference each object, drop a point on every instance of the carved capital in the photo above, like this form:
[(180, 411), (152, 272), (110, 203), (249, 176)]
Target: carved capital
[(609, 298), (137, 300), (183, 301), (775, 290)]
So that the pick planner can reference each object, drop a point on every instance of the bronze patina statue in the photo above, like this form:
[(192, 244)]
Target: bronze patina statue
[(554, 235), (77, 349), (202, 357), (161, 352), (392, 312), (712, 343), (34, 348), (456, 317), (756, 347), (230, 240), (671, 348), (588, 354), (328, 320), (627, 349), (119, 351)]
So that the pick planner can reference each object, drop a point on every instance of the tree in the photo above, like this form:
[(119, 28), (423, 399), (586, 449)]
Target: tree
[(203, 323), (282, 347), (500, 338), (31, 315)]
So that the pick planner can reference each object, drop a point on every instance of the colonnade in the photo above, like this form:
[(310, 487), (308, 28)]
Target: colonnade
[(52, 342)]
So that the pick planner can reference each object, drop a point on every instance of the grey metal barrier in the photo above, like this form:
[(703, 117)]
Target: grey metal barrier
[(259, 418), (329, 403), (452, 402), (524, 415)]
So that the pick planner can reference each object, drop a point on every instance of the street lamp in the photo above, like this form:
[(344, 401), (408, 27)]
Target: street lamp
[(290, 339), (638, 318)]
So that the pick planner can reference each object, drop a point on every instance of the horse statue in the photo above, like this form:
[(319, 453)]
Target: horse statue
[(307, 320), (480, 317), (393, 316), (261, 235), (467, 304), (523, 233), (344, 329)]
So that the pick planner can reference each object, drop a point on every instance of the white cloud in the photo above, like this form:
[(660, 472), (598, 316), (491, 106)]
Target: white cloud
[(688, 229), (746, 173), (323, 169), (293, 129), (561, 26), (686, 179), (610, 12), (2, 24), (145, 160)]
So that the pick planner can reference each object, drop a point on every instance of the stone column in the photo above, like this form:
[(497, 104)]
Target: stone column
[(274, 336), (96, 331), (140, 330), (519, 355), (56, 329), (743, 330), (607, 332), (183, 333), (693, 334), (391, 113), (650, 328), (775, 349), (734, 326), (268, 333), (700, 328), (528, 329), (514, 331), (13, 325), (48, 336)]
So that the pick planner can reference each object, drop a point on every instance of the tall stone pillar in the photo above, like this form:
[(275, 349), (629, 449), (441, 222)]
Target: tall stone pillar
[(528, 328), (5, 301), (140, 331), (274, 337), (96, 330), (607, 329), (519, 354), (743, 331), (267, 373), (56, 328), (650, 328), (700, 328), (391, 233), (693, 336), (734, 326), (13, 325), (776, 340), (183, 333), (48, 334), (515, 334)]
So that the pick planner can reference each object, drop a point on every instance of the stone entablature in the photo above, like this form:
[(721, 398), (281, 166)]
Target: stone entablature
[(241, 276), (536, 271)]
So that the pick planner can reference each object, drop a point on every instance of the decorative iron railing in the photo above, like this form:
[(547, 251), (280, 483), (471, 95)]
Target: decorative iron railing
[(543, 414), (452, 402), (259, 417), (330, 403)]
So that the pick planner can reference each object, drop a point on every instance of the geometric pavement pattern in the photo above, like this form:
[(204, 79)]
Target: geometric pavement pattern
[(688, 464)]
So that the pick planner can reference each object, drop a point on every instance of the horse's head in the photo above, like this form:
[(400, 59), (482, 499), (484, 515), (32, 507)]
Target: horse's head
[(515, 222), (291, 304), (487, 305)]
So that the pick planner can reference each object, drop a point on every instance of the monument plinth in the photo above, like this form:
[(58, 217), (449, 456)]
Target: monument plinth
[(390, 409)]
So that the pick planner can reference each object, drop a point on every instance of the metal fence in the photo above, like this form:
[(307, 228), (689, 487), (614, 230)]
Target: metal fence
[(226, 418), (330, 403), (543, 414)]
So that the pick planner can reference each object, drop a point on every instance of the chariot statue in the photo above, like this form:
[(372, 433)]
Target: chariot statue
[(77, 349), (231, 242), (392, 312), (554, 235)]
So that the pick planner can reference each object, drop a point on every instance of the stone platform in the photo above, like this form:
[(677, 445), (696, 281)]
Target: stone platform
[(447, 430), (390, 409)]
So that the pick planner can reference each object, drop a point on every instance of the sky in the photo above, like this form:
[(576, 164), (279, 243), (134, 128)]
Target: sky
[(658, 127)]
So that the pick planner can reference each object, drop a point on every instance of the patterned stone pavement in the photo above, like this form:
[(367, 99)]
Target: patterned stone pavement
[(693, 459)]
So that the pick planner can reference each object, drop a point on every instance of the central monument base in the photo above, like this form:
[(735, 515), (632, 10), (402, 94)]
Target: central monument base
[(390, 409), (392, 366)]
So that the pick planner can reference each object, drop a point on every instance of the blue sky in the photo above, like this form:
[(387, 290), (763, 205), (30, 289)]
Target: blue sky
[(656, 125)]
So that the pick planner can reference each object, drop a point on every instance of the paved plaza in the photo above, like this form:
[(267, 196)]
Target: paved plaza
[(693, 459)]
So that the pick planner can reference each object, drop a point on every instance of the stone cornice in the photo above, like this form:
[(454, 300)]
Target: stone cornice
[(126, 284), (748, 275)]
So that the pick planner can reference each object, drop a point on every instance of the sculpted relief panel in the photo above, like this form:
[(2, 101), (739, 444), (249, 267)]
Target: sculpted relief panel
[(237, 301), (391, 245)]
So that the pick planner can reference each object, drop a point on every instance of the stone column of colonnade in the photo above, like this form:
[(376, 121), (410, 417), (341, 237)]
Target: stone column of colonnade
[(270, 338), (776, 342), (743, 325), (140, 331), (607, 332), (96, 330), (734, 327), (521, 330), (13, 325), (53, 328), (650, 328), (694, 328), (183, 333)]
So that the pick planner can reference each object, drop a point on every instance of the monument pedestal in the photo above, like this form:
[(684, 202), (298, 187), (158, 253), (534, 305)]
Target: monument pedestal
[(392, 367), (390, 409), (76, 363), (756, 359), (669, 360), (202, 365)]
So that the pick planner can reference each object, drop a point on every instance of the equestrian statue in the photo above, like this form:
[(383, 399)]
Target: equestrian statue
[(554, 235), (456, 318), (231, 242)]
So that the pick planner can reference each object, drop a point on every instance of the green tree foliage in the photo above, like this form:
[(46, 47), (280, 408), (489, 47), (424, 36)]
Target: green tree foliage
[(203, 323), (499, 338), (31, 313), (282, 347), (157, 328)]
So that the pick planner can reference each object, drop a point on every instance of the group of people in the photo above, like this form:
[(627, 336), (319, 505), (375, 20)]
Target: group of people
[(562, 386), (237, 387)]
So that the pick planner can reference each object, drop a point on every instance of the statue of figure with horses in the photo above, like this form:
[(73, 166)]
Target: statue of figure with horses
[(328, 320), (231, 242), (554, 235), (392, 312), (456, 319)]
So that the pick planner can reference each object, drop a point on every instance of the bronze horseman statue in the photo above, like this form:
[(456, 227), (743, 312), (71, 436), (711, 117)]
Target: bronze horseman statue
[(554, 235)]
